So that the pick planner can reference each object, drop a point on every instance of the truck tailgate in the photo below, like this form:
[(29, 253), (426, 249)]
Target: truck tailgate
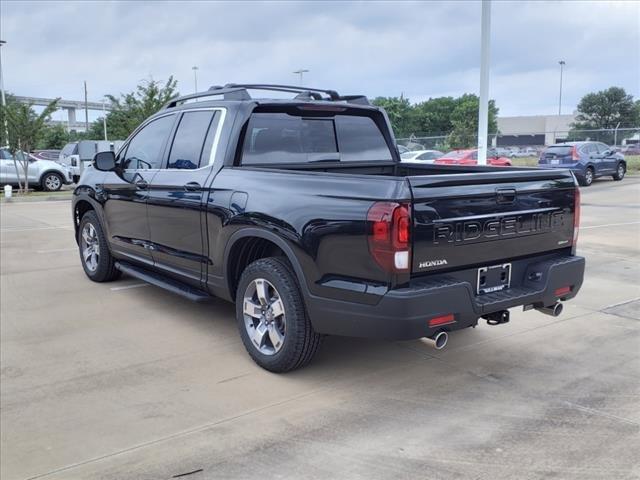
[(486, 218)]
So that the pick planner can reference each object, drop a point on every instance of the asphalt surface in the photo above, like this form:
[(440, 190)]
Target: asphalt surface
[(124, 380)]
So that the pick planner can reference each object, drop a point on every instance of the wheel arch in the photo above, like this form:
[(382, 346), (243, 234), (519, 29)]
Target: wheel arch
[(81, 206), (250, 244)]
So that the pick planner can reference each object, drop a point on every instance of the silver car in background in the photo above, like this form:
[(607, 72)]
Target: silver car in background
[(43, 174), (421, 156)]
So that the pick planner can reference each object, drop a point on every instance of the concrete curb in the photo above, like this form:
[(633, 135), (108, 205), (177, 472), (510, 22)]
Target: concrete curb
[(37, 198)]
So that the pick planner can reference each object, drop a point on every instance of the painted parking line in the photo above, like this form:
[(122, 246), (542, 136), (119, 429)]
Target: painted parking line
[(609, 225), (621, 303), (38, 202), (32, 229), (127, 287), (58, 250)]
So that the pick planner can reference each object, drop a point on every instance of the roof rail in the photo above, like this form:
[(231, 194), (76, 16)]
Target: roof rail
[(233, 91), (332, 94), (229, 94)]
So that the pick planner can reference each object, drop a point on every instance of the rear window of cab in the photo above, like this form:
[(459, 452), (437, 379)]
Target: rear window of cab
[(282, 138)]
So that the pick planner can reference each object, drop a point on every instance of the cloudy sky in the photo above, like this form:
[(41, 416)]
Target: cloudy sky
[(420, 49)]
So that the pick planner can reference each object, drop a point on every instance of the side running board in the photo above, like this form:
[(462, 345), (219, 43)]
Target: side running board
[(161, 281)]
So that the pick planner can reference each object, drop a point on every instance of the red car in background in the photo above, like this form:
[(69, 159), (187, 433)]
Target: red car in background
[(470, 157)]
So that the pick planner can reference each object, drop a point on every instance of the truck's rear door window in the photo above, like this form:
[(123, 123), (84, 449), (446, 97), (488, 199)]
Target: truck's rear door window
[(189, 140), (281, 138)]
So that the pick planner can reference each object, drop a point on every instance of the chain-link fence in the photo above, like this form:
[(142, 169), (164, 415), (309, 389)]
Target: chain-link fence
[(525, 143)]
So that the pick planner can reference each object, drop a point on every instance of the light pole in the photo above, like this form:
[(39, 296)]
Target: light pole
[(86, 108), (562, 64), (104, 120), (4, 100), (301, 72), (195, 78), (615, 135), (483, 113)]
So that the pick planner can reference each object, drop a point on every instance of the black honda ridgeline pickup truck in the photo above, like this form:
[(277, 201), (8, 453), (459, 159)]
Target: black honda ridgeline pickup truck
[(300, 211)]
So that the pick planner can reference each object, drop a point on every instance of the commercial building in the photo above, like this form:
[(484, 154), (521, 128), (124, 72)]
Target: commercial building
[(532, 130)]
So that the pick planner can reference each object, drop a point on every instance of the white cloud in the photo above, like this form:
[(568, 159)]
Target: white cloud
[(421, 49)]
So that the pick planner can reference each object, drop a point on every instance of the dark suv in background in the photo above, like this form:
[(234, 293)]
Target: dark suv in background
[(587, 160)]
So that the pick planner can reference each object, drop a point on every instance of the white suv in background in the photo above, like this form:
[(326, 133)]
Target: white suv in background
[(43, 174), (79, 155)]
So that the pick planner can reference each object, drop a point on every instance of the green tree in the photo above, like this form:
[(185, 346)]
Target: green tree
[(464, 120), (25, 129), (11, 100), (456, 117), (607, 108), (53, 137), (96, 131), (433, 116), (399, 113), (131, 109)]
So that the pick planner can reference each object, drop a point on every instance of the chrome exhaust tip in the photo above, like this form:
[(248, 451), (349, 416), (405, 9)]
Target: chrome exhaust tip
[(438, 341), (552, 310)]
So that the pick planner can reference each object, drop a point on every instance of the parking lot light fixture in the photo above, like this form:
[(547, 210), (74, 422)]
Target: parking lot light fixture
[(195, 78), (104, 118), (562, 64), (4, 100), (301, 72), (483, 108)]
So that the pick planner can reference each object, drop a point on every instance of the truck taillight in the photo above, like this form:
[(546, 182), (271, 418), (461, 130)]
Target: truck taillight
[(576, 216), (389, 235), (574, 154)]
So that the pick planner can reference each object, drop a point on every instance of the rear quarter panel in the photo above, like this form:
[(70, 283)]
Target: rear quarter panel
[(320, 216)]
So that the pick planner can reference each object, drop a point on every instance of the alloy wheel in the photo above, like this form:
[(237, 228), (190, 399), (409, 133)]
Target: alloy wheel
[(52, 182), (90, 247), (588, 177), (264, 316)]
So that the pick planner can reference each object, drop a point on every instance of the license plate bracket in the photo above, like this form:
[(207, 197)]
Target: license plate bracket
[(493, 278)]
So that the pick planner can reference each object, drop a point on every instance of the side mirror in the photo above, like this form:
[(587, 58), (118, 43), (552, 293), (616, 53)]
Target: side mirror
[(104, 161)]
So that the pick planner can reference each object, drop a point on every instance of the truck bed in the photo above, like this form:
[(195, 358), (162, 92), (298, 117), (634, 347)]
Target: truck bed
[(496, 213)]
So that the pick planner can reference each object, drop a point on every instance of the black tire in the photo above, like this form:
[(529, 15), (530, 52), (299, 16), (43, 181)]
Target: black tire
[(104, 268), (51, 182), (621, 169), (300, 340), (587, 180)]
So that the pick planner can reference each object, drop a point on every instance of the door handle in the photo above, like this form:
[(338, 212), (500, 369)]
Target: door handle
[(192, 187), (142, 184)]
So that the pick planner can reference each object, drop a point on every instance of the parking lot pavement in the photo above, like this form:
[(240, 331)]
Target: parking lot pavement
[(123, 380)]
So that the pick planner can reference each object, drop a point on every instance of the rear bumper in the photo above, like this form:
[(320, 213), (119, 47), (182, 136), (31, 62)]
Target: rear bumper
[(577, 168), (404, 314)]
